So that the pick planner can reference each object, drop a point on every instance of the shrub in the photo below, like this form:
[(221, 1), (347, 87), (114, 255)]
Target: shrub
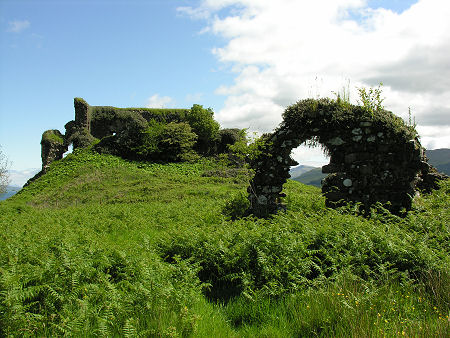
[(203, 124), (227, 137), (237, 206), (80, 138), (148, 147), (176, 141)]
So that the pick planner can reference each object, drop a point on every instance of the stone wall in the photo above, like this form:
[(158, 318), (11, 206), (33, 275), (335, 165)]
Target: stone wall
[(52, 147), (374, 156), (82, 113), (97, 122)]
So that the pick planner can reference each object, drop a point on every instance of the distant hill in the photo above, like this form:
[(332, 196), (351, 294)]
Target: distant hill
[(299, 170), (438, 158), (311, 177), (10, 191)]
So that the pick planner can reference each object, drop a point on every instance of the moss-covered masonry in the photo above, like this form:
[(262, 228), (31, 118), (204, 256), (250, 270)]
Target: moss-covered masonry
[(96, 122), (374, 156), (52, 147)]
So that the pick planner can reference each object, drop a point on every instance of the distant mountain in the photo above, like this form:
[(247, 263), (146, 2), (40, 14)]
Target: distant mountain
[(311, 177), (438, 158), (299, 170), (10, 190)]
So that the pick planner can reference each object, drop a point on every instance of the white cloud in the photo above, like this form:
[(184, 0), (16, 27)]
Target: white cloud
[(19, 177), (286, 50), (156, 101), (18, 26)]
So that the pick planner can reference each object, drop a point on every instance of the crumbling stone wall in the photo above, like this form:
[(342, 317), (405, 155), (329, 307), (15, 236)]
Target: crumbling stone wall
[(82, 113), (52, 147), (374, 156)]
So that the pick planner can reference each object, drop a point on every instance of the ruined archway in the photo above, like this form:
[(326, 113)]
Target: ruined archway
[(374, 156)]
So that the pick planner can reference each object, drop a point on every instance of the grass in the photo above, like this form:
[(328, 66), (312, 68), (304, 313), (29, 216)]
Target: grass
[(100, 246)]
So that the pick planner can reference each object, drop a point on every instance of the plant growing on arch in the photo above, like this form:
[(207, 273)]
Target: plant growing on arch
[(371, 99)]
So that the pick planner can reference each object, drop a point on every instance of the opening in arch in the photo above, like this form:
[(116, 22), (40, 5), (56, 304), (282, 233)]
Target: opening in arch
[(374, 156), (69, 150), (310, 161)]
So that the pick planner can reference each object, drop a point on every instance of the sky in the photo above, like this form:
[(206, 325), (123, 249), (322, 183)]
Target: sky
[(246, 59)]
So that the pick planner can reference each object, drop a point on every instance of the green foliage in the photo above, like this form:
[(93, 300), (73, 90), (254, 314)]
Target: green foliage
[(328, 115), (108, 120), (176, 142), (80, 101), (104, 246), (53, 136), (227, 137), (172, 142), (245, 150), (343, 95), (164, 115), (148, 147), (203, 124), (81, 138), (237, 206), (371, 99)]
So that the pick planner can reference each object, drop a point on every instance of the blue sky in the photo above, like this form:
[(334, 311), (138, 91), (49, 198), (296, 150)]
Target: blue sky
[(108, 52), (244, 58)]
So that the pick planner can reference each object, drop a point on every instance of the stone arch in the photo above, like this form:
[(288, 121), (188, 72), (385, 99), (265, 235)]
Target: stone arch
[(374, 156)]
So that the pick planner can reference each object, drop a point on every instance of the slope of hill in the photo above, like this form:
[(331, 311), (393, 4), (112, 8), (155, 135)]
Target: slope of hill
[(440, 159), (100, 246), (299, 170), (312, 177)]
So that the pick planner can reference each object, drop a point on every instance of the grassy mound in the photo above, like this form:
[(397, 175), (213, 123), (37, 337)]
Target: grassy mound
[(100, 246)]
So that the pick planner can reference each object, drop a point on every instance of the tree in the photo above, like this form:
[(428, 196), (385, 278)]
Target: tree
[(4, 176), (203, 124)]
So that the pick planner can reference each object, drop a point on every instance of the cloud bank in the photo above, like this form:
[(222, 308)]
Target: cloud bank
[(286, 50)]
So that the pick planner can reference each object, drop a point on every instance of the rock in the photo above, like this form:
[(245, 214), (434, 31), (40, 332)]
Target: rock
[(337, 141), (347, 182)]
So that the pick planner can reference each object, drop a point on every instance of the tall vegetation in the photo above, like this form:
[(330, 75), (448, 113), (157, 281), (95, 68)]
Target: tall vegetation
[(203, 124), (126, 133), (101, 246)]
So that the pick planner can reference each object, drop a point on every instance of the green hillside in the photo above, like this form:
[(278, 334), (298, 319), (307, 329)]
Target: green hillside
[(101, 246), (440, 159), (312, 177)]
